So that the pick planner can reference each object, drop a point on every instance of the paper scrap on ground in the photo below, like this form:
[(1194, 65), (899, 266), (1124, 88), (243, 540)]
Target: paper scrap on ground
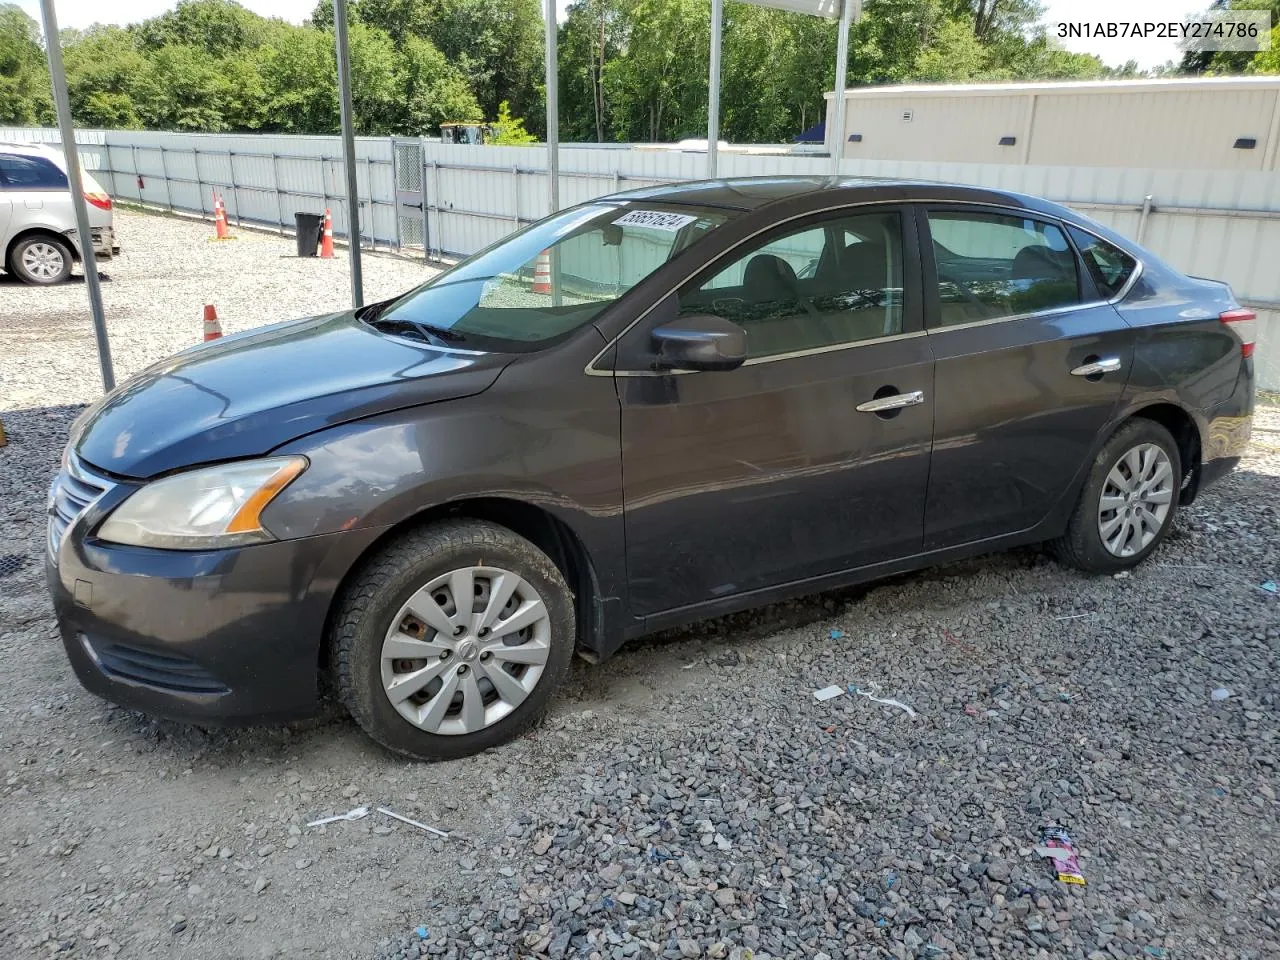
[(827, 693), (1066, 861)]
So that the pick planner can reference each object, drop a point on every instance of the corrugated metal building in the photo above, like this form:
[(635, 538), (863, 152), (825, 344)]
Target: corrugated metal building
[(1227, 123)]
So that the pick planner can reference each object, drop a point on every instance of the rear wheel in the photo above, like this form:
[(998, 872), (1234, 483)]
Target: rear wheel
[(40, 260), (1129, 502), (452, 640)]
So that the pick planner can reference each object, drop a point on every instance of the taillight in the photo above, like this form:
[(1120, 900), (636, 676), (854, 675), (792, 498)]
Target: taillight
[(1245, 323), (99, 200)]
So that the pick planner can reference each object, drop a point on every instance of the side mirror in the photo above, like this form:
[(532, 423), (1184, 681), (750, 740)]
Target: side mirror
[(699, 341)]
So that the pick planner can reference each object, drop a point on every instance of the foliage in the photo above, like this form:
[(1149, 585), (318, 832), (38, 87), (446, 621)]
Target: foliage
[(509, 131), (25, 96), (1218, 62), (629, 70)]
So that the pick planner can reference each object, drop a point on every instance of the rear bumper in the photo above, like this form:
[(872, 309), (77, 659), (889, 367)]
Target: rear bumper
[(104, 242), (1225, 438), (227, 636)]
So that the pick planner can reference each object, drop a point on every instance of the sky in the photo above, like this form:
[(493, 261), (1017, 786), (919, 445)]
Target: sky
[(1148, 52)]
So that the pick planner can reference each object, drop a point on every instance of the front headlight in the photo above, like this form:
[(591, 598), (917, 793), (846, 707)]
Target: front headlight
[(203, 509)]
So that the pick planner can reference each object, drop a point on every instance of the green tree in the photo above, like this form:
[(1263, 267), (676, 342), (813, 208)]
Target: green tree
[(435, 91), (219, 26), (104, 65), (25, 94), (496, 44), (509, 131)]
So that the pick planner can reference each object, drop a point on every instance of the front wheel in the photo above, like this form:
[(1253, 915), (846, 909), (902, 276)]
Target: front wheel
[(452, 640), (1129, 502)]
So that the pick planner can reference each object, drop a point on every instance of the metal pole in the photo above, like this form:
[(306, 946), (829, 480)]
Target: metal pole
[(164, 170), (68, 134), (850, 10), (553, 109), (1142, 218), (275, 188), (515, 196), (349, 151), (426, 209), (713, 88), (231, 175)]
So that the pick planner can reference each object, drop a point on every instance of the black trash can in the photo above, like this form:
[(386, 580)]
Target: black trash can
[(309, 226)]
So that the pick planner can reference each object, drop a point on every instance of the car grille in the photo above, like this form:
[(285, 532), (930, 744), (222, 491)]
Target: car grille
[(73, 490), (162, 670)]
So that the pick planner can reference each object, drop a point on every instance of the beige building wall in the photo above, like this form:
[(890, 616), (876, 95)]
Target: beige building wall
[(1150, 124)]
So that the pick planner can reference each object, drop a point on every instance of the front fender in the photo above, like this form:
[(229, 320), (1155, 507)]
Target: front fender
[(559, 452)]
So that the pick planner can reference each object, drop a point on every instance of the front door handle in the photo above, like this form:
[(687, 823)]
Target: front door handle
[(1097, 368), (895, 402)]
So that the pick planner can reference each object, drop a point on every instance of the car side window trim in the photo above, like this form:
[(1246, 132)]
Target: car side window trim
[(912, 281), (932, 311), (1133, 277)]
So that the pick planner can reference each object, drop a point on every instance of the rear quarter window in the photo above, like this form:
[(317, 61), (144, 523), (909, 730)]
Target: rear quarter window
[(30, 173), (1109, 266)]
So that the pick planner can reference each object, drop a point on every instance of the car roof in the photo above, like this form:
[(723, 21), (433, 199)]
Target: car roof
[(16, 146), (752, 193)]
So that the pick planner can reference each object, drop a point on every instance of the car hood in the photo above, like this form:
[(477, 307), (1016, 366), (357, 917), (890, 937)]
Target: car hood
[(244, 395)]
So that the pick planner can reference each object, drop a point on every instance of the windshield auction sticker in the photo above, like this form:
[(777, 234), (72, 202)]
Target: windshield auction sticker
[(655, 220)]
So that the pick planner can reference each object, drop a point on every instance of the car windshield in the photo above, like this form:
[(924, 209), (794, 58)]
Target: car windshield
[(548, 279)]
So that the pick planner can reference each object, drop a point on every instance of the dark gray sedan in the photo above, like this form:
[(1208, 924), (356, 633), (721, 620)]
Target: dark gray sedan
[(648, 409)]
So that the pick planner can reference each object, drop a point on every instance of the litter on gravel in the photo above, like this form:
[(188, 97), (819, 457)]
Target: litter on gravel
[(413, 823), (355, 814)]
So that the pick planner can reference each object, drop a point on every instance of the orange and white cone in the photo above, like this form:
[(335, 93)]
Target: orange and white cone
[(326, 239), (221, 230), (212, 328), (542, 273)]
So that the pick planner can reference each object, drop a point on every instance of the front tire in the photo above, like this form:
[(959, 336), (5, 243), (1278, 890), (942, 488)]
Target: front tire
[(40, 260), (452, 640), (1128, 504)]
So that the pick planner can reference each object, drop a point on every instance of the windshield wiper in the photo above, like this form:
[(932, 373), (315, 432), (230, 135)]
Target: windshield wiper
[(413, 329), (373, 311)]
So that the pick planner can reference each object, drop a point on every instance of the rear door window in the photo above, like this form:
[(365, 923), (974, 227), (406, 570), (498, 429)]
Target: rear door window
[(991, 266), (30, 173), (1109, 266)]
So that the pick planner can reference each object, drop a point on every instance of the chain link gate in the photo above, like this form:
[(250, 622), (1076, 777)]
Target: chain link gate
[(411, 206)]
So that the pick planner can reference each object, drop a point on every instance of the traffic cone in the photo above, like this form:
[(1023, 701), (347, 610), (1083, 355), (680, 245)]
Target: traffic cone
[(542, 273), (221, 230), (326, 241), (212, 328)]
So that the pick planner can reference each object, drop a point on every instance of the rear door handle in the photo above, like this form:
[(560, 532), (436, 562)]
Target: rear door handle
[(1097, 368), (895, 402)]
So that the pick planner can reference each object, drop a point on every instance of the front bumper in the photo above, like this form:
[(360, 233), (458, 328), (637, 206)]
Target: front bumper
[(208, 637)]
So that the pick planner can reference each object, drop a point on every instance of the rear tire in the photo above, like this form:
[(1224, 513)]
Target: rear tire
[(434, 679), (40, 260), (1129, 502)]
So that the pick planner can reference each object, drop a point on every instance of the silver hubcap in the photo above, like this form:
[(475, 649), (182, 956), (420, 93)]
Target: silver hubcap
[(1135, 500), (466, 650), (42, 260)]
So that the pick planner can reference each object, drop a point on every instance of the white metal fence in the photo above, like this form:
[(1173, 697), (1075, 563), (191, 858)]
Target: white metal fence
[(453, 200)]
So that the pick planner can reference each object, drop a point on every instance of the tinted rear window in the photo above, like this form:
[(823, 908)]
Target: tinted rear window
[(1109, 266), (30, 173)]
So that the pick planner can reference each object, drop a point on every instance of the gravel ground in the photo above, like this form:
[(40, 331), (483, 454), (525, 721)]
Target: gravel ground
[(689, 798)]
